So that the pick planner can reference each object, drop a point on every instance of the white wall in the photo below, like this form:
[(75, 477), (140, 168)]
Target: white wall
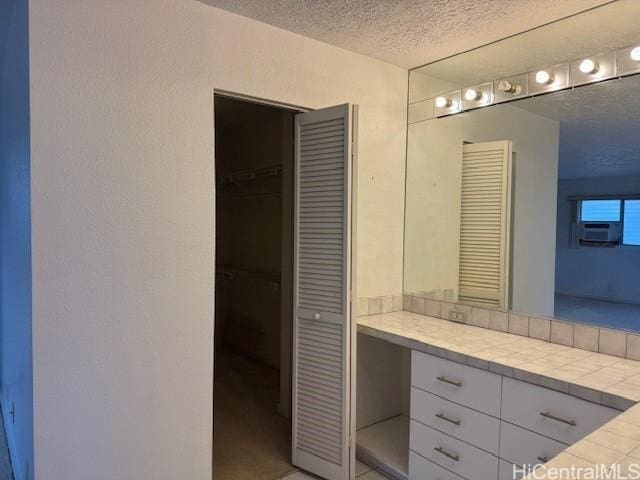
[(383, 379), (16, 379), (123, 216), (605, 273), (434, 169)]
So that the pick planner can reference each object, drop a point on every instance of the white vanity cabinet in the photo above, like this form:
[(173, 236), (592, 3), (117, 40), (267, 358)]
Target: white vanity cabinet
[(474, 424), (455, 417), (461, 384), (553, 414)]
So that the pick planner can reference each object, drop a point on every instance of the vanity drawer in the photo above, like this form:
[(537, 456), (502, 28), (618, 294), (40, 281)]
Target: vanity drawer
[(523, 447), (506, 471), (554, 414), (452, 454), (459, 383), (422, 469), (460, 422)]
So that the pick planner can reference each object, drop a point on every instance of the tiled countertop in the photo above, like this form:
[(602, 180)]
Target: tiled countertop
[(595, 377)]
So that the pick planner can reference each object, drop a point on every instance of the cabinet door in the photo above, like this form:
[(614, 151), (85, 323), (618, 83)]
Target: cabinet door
[(324, 321)]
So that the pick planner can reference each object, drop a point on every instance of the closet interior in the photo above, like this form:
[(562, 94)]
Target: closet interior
[(253, 290)]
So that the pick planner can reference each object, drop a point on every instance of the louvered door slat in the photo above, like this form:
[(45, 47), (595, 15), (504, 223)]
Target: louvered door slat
[(484, 224), (323, 331)]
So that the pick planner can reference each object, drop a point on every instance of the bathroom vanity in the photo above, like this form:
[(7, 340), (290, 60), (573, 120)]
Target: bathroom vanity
[(473, 402), (522, 347)]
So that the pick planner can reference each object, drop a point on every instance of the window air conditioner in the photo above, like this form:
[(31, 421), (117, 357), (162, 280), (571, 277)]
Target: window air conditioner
[(599, 232)]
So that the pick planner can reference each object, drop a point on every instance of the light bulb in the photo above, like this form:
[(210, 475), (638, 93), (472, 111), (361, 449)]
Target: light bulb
[(507, 87), (471, 95), (635, 54), (543, 77), (588, 66), (442, 102)]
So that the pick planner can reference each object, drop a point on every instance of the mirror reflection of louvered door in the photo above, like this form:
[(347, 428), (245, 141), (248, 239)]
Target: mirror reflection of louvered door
[(324, 323), (485, 223)]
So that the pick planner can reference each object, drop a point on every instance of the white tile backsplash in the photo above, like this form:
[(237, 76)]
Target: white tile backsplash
[(432, 307), (613, 342), (499, 320), (375, 305), (584, 337), (540, 328), (382, 304), (398, 303), (363, 307), (480, 317), (518, 324), (406, 302), (562, 333), (387, 304), (418, 304), (633, 346)]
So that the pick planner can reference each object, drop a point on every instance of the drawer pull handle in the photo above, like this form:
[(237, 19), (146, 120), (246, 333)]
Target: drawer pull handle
[(450, 382), (543, 458), (452, 456), (442, 416), (558, 419)]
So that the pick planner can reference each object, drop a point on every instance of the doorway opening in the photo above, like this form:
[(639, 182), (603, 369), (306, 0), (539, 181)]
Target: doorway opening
[(254, 154)]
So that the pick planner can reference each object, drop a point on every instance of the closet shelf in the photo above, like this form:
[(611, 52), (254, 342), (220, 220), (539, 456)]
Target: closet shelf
[(244, 176), (385, 445), (221, 194)]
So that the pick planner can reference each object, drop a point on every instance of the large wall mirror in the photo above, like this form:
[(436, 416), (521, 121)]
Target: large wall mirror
[(523, 172)]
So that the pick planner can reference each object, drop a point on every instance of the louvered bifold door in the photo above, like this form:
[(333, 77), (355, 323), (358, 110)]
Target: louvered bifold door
[(323, 330), (484, 223)]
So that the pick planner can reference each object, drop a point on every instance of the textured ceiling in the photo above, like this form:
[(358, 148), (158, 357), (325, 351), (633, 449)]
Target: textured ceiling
[(559, 42), (407, 33), (599, 128)]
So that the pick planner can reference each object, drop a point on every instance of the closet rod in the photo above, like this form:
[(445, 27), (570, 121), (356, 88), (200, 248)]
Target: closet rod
[(232, 272), (256, 194), (244, 176)]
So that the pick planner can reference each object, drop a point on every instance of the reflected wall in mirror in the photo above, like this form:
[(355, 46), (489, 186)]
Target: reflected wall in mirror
[(532, 205)]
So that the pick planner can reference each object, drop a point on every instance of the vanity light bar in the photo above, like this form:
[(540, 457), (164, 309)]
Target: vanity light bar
[(558, 77), (448, 103)]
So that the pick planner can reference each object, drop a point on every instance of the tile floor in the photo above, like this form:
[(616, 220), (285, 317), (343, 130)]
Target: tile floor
[(363, 472)]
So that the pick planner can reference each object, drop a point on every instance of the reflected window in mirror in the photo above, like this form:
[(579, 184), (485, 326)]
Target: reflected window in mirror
[(568, 236)]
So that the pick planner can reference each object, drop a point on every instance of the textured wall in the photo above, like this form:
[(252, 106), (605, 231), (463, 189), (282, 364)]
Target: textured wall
[(16, 377), (605, 273), (123, 216)]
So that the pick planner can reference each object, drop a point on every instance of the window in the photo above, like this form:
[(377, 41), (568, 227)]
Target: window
[(615, 210), (631, 225), (600, 211)]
